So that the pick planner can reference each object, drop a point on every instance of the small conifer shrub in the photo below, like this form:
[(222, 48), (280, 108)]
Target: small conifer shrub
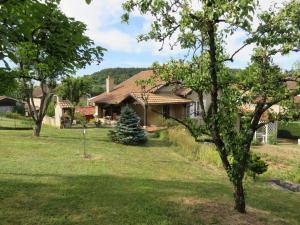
[(128, 130)]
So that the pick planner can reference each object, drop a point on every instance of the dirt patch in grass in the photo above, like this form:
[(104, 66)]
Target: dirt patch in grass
[(280, 153), (212, 212)]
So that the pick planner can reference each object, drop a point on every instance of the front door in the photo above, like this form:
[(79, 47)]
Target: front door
[(166, 111)]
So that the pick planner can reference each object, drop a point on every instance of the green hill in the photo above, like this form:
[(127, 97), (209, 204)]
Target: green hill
[(118, 74), (97, 79)]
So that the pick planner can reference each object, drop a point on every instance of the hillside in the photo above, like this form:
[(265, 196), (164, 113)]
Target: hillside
[(118, 74), (97, 79)]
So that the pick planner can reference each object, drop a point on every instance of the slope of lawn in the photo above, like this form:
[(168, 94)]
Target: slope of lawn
[(47, 181), (14, 123)]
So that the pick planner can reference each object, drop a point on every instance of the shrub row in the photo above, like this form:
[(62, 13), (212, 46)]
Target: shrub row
[(186, 146), (290, 130)]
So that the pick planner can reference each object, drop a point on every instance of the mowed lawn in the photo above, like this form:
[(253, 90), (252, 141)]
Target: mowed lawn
[(47, 181)]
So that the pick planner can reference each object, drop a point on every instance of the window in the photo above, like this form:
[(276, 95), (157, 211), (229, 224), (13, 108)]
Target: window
[(194, 109)]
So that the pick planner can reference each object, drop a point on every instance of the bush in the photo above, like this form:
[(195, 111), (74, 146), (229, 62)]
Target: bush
[(256, 166), (290, 130), (169, 123), (13, 115), (19, 109), (128, 130), (189, 148), (272, 140), (255, 142), (51, 109), (80, 119)]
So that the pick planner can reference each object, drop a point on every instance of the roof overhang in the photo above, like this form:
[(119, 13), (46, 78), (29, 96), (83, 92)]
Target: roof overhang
[(159, 99)]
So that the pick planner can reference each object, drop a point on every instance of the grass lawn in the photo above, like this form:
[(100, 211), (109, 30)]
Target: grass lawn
[(15, 123), (47, 181)]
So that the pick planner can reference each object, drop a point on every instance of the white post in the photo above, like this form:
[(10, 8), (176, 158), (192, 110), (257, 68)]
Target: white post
[(267, 133)]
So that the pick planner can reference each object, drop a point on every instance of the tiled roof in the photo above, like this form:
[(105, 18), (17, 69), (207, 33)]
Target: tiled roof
[(292, 85), (153, 99), (65, 104), (5, 97), (183, 91), (37, 91), (265, 116), (123, 90), (85, 110)]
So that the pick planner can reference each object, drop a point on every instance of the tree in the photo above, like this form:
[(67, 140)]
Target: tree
[(74, 88), (128, 130), (203, 29), (47, 46), (8, 82)]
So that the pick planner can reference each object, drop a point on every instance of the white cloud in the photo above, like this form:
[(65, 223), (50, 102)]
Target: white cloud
[(103, 18), (99, 14), (116, 40)]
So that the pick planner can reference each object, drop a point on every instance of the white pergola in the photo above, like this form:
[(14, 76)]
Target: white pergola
[(267, 131)]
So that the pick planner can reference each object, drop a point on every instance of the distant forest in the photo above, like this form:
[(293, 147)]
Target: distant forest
[(118, 74)]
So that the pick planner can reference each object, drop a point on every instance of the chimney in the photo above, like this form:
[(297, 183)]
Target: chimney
[(109, 84)]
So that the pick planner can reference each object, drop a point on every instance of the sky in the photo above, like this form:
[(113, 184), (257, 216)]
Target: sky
[(103, 20)]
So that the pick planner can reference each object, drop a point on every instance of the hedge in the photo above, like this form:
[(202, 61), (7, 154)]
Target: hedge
[(290, 130)]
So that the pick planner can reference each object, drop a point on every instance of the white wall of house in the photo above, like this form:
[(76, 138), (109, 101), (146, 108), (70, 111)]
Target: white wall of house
[(50, 121), (194, 109), (58, 114), (37, 102), (55, 121)]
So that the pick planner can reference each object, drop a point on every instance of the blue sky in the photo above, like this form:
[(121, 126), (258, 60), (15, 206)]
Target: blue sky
[(105, 28)]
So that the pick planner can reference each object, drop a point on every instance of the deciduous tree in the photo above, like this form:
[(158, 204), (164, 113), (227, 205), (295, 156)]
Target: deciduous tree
[(47, 46), (202, 27)]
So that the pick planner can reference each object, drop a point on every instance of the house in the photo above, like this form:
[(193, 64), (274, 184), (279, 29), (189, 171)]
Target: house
[(37, 95), (8, 104), (293, 85), (63, 110), (152, 103)]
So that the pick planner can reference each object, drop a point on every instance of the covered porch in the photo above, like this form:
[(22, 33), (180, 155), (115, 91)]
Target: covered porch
[(152, 111)]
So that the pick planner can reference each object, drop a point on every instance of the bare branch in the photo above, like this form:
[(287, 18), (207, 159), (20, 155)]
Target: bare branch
[(236, 52)]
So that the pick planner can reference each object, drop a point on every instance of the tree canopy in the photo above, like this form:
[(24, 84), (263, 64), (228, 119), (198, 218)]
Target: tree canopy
[(46, 46), (73, 88)]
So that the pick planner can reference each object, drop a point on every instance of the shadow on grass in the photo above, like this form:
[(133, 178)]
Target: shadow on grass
[(111, 200), (98, 200)]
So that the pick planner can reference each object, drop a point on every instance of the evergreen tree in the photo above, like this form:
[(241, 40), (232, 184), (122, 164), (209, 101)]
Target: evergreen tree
[(128, 130)]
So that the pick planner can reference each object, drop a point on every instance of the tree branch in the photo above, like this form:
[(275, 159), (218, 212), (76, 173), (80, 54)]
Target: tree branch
[(236, 52)]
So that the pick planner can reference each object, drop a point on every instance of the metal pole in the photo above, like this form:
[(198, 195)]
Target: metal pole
[(267, 133), (84, 153)]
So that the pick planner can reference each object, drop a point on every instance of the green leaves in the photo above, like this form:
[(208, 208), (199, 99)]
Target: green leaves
[(74, 88), (280, 31), (237, 99)]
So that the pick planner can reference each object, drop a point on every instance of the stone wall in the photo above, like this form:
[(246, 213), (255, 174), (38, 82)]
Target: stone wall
[(51, 121)]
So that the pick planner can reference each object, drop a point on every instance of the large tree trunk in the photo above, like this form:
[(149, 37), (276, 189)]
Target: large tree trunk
[(239, 197), (37, 128)]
